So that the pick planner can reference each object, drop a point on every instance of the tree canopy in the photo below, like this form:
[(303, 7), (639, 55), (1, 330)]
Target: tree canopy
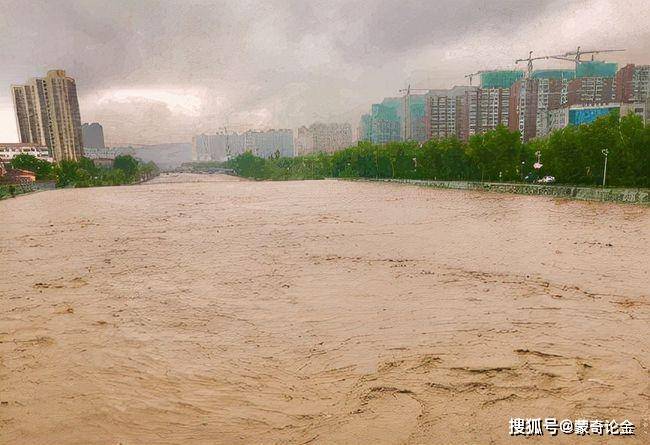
[(84, 173), (573, 155)]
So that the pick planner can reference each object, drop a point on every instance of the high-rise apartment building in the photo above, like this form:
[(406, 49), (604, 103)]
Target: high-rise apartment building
[(633, 83), (483, 109), (469, 114), (217, 147), (303, 141), (47, 113), (386, 121), (589, 91), (365, 128), (31, 113), (523, 108), (413, 117), (493, 100), (444, 111), (266, 144), (494, 107), (531, 99), (220, 147), (395, 119), (92, 135), (326, 138)]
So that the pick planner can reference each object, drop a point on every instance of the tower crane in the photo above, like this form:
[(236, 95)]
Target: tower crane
[(472, 75), (530, 59), (407, 91), (407, 102), (226, 129), (575, 56)]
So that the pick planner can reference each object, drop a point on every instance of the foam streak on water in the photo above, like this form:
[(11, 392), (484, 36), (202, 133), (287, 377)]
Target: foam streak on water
[(205, 309)]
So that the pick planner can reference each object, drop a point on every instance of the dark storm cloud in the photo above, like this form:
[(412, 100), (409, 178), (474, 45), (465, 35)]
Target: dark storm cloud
[(178, 67), (393, 27)]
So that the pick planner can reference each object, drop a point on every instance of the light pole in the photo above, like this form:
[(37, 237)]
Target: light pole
[(605, 153), (538, 165), (522, 171)]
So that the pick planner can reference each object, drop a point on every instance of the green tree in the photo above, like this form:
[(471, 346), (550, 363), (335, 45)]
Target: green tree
[(573, 155), (42, 168), (497, 154), (128, 164)]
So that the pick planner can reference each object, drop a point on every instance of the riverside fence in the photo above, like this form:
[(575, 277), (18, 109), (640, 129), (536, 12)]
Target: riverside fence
[(10, 190), (626, 195)]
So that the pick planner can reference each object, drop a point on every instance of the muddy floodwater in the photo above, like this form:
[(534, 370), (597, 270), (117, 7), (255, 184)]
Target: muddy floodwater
[(212, 310)]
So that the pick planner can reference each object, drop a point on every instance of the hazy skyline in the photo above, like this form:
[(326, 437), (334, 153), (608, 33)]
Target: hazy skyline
[(161, 71)]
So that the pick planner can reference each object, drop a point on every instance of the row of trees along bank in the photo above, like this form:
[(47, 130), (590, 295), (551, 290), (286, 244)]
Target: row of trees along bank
[(84, 173), (573, 155)]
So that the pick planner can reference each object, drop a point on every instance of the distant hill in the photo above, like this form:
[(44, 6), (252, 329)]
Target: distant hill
[(166, 156)]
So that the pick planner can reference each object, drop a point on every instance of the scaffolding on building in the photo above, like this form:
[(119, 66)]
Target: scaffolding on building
[(500, 79)]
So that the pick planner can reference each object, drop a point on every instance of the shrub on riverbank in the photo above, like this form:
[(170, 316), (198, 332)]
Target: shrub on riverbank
[(315, 166), (84, 173), (573, 155)]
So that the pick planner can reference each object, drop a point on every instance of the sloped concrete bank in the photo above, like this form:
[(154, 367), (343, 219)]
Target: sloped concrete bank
[(626, 195), (12, 190)]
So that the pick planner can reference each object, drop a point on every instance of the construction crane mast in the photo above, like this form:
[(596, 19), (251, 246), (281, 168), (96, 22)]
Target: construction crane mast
[(529, 71), (472, 75), (226, 129), (575, 56), (407, 108)]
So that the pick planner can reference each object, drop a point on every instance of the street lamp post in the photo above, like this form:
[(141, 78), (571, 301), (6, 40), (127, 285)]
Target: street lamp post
[(605, 153), (538, 165)]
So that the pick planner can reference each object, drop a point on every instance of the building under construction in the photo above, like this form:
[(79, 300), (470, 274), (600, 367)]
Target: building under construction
[(523, 101), (500, 78), (531, 98)]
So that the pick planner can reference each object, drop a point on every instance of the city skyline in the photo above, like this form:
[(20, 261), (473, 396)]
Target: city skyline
[(287, 64)]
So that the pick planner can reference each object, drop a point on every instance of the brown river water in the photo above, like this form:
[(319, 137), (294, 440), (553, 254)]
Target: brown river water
[(212, 310)]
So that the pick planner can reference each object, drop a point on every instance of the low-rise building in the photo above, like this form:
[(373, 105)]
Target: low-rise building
[(8, 151), (100, 153), (641, 109), (102, 157), (579, 114), (16, 175)]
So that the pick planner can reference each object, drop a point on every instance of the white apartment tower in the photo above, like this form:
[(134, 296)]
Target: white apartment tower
[(47, 113)]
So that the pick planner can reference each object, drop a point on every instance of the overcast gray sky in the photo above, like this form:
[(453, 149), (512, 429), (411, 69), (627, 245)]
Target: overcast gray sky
[(161, 71)]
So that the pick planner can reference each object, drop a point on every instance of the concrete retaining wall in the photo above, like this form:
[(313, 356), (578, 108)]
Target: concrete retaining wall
[(634, 196)]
